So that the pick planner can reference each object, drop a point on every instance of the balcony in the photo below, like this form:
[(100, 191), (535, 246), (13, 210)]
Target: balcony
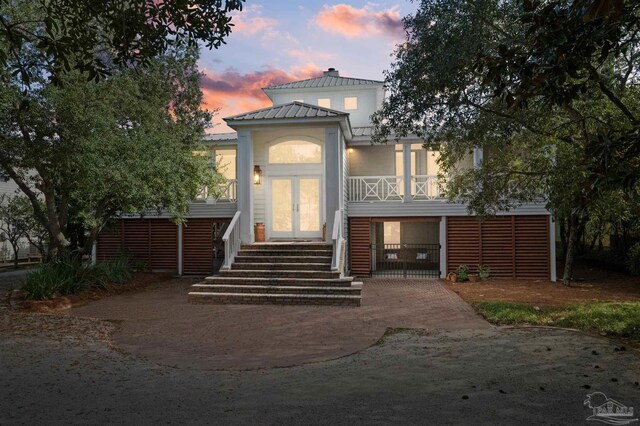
[(228, 193), (373, 189)]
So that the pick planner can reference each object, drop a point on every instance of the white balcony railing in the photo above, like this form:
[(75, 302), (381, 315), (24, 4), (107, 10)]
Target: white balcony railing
[(391, 188), (375, 188), (228, 192), (425, 187)]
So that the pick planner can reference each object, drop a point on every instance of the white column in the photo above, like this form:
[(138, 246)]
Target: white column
[(552, 248), (333, 173), (443, 247), (245, 185), (179, 249), (406, 171), (478, 155)]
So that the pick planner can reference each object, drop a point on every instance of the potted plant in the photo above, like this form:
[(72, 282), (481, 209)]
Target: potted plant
[(451, 276), (462, 273), (484, 271)]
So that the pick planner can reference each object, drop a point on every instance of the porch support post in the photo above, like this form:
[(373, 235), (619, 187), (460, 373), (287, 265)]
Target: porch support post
[(478, 156), (245, 185), (406, 172), (552, 249), (443, 247), (179, 249), (333, 175)]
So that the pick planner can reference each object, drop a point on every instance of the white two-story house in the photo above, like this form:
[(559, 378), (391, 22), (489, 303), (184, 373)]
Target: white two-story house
[(304, 169)]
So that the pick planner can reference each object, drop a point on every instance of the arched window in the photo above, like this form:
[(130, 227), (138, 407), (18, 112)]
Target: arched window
[(295, 152)]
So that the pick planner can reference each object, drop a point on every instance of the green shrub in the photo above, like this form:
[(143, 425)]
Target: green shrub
[(633, 259), (463, 273), (70, 276), (117, 271), (484, 271), (58, 278)]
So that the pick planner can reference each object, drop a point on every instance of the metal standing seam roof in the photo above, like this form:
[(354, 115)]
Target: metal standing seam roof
[(290, 110), (229, 136), (362, 131), (325, 81)]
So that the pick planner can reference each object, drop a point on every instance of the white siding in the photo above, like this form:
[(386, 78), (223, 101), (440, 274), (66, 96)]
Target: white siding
[(377, 160), (429, 208), (8, 187), (368, 100), (196, 210)]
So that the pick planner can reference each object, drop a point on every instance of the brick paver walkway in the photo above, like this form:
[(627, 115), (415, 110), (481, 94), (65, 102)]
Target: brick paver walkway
[(160, 324)]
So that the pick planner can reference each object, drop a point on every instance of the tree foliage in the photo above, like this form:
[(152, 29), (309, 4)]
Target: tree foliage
[(94, 36), (549, 90), (83, 152), (15, 214)]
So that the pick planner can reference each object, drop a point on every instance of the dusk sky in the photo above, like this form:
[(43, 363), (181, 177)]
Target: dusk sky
[(276, 41)]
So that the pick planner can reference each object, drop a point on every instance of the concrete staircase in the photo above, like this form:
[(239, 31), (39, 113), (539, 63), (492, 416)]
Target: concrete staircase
[(279, 274)]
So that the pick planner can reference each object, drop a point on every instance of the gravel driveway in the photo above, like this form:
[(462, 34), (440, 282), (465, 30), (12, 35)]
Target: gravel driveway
[(10, 280), (491, 377)]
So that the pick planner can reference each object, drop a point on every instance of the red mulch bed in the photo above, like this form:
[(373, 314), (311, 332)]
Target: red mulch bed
[(140, 281), (591, 285)]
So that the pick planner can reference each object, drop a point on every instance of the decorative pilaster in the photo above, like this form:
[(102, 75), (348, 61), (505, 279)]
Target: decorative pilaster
[(245, 185)]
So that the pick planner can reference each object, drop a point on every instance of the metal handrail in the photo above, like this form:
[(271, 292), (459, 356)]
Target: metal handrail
[(231, 240)]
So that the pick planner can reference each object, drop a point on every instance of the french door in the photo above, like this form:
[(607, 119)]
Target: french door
[(296, 208)]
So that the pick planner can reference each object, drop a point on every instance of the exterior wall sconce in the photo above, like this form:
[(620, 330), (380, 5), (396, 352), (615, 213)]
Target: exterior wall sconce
[(257, 175)]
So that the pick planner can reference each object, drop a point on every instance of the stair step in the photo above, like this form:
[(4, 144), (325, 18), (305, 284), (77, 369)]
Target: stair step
[(281, 266), (268, 273), (275, 299), (282, 259), (333, 282), (287, 246), (355, 289), (276, 252)]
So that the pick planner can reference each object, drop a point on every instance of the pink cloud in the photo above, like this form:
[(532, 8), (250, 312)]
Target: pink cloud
[(360, 22), (232, 92), (250, 21)]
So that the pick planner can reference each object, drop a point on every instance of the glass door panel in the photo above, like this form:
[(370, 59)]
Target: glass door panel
[(282, 205), (309, 204)]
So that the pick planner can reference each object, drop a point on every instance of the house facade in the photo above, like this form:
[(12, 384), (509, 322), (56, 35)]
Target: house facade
[(304, 169)]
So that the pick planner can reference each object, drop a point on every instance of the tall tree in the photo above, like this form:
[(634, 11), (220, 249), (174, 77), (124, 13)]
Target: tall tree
[(121, 141), (91, 36), (549, 90), (123, 145)]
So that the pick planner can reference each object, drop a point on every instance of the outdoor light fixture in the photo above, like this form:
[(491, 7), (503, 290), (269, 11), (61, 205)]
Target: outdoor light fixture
[(257, 175)]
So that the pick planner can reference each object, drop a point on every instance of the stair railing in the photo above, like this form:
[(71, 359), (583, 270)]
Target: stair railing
[(231, 240), (337, 260)]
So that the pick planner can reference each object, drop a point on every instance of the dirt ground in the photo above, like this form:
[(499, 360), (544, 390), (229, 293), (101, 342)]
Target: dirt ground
[(480, 377), (591, 285)]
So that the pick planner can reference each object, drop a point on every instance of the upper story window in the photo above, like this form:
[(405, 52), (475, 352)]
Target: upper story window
[(350, 103), (324, 102), (295, 152), (226, 162)]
